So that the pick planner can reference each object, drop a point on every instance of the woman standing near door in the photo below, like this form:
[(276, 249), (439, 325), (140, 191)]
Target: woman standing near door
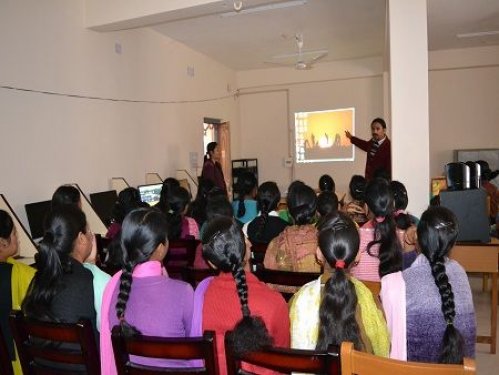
[(212, 170)]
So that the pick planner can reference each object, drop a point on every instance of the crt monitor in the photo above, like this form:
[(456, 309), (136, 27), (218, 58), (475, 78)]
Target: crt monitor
[(36, 213), (150, 193), (103, 203)]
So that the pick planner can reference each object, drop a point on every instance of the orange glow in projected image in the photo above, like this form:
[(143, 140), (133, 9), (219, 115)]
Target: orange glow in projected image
[(320, 136)]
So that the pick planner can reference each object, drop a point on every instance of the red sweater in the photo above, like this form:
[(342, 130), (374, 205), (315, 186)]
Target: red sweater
[(381, 159), (222, 310)]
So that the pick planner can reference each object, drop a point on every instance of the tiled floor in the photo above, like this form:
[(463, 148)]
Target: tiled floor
[(487, 364)]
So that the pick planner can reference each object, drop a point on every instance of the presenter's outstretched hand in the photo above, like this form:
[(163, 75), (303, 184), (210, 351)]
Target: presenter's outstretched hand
[(347, 133)]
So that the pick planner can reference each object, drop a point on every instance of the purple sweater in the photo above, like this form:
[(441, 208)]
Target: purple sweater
[(158, 306), (425, 320)]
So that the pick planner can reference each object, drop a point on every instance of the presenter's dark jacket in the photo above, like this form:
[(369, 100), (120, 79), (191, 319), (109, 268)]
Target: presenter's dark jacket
[(213, 171), (380, 160)]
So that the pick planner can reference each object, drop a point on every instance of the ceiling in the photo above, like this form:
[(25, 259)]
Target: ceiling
[(348, 29)]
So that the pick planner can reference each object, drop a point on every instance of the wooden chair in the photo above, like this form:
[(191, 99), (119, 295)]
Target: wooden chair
[(359, 363), (373, 286), (258, 251), (184, 348), (284, 360), (195, 275), (37, 357), (181, 254), (5, 361), (285, 278)]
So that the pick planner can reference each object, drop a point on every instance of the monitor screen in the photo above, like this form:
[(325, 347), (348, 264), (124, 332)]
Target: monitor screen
[(150, 193), (103, 203), (36, 213)]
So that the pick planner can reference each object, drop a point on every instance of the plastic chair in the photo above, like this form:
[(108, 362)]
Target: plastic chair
[(181, 254), (55, 348), (359, 363), (185, 348)]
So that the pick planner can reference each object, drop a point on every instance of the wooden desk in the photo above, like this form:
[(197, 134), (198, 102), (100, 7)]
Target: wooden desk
[(482, 258)]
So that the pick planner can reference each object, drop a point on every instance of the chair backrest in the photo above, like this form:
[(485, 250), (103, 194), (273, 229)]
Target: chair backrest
[(285, 278), (284, 360), (359, 363), (181, 254), (74, 346), (5, 361), (183, 348), (373, 286)]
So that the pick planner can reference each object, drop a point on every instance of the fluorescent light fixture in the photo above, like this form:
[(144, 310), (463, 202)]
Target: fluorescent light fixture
[(478, 34), (266, 7)]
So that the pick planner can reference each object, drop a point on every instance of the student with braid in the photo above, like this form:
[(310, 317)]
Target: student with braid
[(180, 225), (380, 252), (245, 205), (236, 300), (441, 325), (142, 298), (267, 225), (337, 307)]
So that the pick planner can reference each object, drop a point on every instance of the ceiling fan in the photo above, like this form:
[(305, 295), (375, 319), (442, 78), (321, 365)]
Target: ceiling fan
[(300, 60)]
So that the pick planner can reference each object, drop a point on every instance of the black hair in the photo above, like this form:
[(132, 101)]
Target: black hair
[(327, 203), (197, 208), (218, 206), (66, 195), (379, 199), (210, 147), (246, 183), (6, 225), (225, 248), (302, 205), (169, 184), (357, 187), (437, 234), (267, 200), (401, 200), (326, 183), (177, 201), (338, 240), (62, 226), (128, 200), (380, 121), (143, 230)]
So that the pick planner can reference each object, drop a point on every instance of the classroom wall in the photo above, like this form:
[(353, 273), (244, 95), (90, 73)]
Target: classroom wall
[(464, 97), (48, 140), (270, 97)]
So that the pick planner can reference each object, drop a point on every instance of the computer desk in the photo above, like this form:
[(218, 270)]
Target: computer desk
[(482, 258)]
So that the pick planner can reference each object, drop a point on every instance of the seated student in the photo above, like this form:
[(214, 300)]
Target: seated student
[(492, 192), (326, 183), (142, 298), (327, 203), (380, 252), (337, 307), (267, 225), (294, 249), (236, 300), (245, 206), (128, 200), (439, 313), (197, 208), (15, 278), (66, 194), (180, 225), (405, 223), (168, 185), (356, 207)]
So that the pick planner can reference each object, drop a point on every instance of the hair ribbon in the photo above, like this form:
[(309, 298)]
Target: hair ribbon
[(340, 264), (380, 219)]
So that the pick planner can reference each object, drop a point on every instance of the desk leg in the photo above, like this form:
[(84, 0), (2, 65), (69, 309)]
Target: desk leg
[(493, 317)]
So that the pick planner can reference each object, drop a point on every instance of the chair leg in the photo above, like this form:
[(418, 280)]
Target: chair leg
[(485, 282)]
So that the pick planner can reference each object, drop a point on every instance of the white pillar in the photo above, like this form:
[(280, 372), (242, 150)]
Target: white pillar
[(408, 52)]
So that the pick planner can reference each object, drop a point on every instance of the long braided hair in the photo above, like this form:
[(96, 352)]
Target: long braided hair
[(339, 244), (437, 233), (246, 184), (143, 230), (224, 247), (379, 199), (267, 199)]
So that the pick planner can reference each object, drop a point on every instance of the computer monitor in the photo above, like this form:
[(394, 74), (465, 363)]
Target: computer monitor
[(103, 203), (150, 193), (36, 213)]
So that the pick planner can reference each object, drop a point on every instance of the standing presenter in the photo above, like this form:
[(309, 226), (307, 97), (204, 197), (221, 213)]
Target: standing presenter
[(378, 150)]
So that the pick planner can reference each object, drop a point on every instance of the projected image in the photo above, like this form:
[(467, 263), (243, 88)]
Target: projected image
[(320, 136)]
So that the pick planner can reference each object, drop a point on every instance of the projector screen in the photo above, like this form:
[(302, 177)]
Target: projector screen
[(320, 136)]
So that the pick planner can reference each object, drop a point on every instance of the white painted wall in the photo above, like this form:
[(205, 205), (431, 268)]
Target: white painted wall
[(48, 140)]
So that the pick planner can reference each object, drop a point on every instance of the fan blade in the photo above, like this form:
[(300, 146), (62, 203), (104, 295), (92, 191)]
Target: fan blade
[(277, 63)]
